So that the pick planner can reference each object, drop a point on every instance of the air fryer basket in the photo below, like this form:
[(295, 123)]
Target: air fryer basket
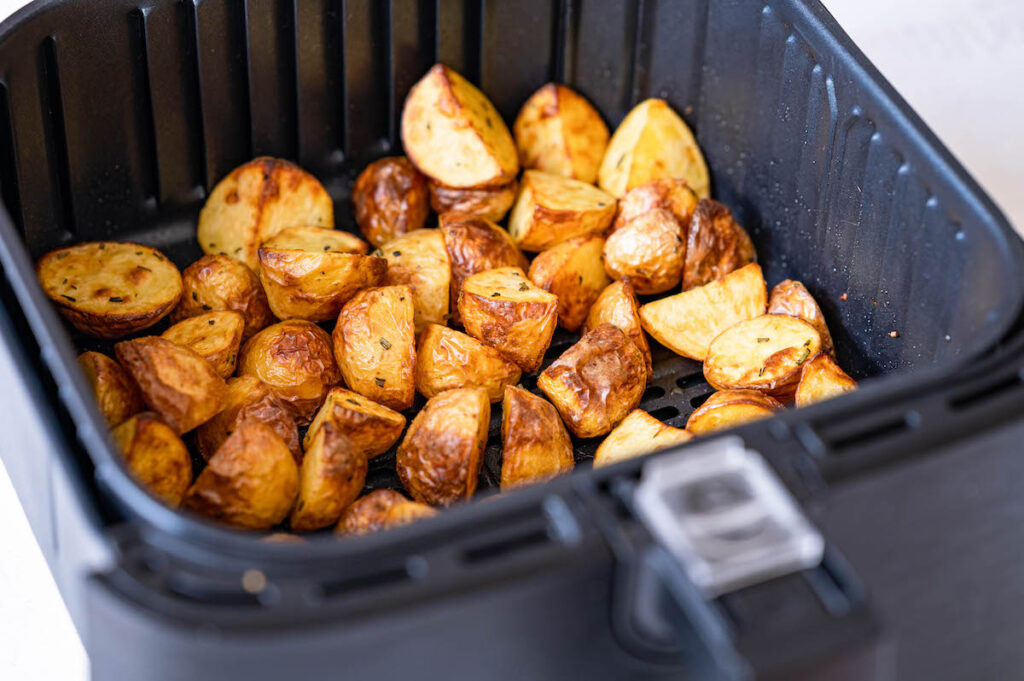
[(117, 117)]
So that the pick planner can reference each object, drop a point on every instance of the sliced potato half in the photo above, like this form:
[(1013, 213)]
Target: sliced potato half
[(535, 445), (317, 240), (248, 399), (792, 298), (572, 270), (490, 203), (420, 261), (371, 427), (368, 513), (715, 245), (822, 379), (332, 475), (447, 359), (155, 455), (219, 282), (638, 434), (551, 208), (729, 409), (116, 393), (214, 336)]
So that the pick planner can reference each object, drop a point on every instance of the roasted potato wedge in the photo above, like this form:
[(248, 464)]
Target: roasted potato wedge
[(617, 305), (675, 196), (687, 322), (715, 245), (368, 513), (219, 282), (390, 198), (502, 308), (731, 408), (572, 271), (116, 393), (651, 143), (250, 482), (256, 201), (296, 360), (647, 252), (180, 386), (490, 203), (596, 382), (558, 131), (108, 289), (534, 443), (475, 245), (551, 209), (155, 455), (454, 135), (375, 345), (447, 359), (332, 475), (765, 353), (317, 240), (371, 427), (407, 512), (792, 298), (439, 460), (821, 379), (420, 261), (214, 336), (638, 434), (314, 284), (248, 399)]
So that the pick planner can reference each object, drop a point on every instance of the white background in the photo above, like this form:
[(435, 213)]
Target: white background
[(959, 64)]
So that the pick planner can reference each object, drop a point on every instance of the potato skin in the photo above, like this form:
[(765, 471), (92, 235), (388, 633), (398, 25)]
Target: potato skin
[(155, 455), (490, 203), (447, 359), (821, 379), (535, 445), (638, 434), (332, 475), (731, 408), (214, 336), (617, 305), (792, 298), (572, 271), (647, 251), (219, 282), (295, 359), (248, 399), (669, 194), (407, 512), (117, 395), (596, 382), (256, 201), (439, 460), (371, 427), (389, 199), (420, 261), (715, 245), (316, 240), (179, 385), (251, 482), (108, 289), (368, 513), (551, 209), (375, 345)]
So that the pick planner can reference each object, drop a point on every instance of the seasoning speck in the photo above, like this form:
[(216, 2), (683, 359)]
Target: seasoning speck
[(761, 372), (207, 307), (763, 340), (69, 298), (384, 343), (327, 247), (61, 256), (213, 245), (195, 296), (138, 252), (351, 401), (523, 286), (211, 322), (115, 299), (396, 253), (379, 381), (495, 294)]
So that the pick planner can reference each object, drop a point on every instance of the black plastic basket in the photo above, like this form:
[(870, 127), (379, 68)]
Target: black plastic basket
[(117, 117)]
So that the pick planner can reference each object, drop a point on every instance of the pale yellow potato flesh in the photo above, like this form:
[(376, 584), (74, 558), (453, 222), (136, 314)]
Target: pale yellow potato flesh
[(551, 209), (638, 434), (821, 379)]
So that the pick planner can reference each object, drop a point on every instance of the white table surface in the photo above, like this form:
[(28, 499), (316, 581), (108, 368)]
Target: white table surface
[(959, 64)]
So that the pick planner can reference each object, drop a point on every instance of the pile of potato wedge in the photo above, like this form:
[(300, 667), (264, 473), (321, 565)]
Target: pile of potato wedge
[(295, 351)]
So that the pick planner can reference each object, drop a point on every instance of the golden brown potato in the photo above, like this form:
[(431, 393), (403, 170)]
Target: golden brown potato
[(375, 345), (317, 240), (420, 261), (821, 379), (296, 360), (687, 322), (406, 512), (504, 310), (534, 444), (179, 385), (765, 353), (651, 143), (314, 284), (250, 482), (558, 131), (248, 399), (389, 199), (369, 512), (715, 245), (638, 434), (572, 271), (490, 203), (454, 135), (551, 209), (647, 252), (447, 359), (332, 475), (475, 245), (617, 305), (256, 201), (792, 298), (155, 455), (675, 196), (219, 282), (214, 336), (729, 409), (108, 289), (439, 460), (116, 394), (596, 382), (371, 427)]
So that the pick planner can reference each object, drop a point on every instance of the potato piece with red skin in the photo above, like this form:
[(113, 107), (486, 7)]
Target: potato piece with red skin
[(219, 282), (447, 359), (715, 245), (389, 199), (490, 203), (638, 434), (729, 409), (617, 305), (332, 475), (117, 395), (572, 271), (535, 444), (155, 456), (372, 427), (792, 298), (647, 252), (821, 379), (214, 336), (248, 399)]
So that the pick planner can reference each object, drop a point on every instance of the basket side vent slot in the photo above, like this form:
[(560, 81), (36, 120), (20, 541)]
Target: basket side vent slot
[(56, 133), (8, 166)]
